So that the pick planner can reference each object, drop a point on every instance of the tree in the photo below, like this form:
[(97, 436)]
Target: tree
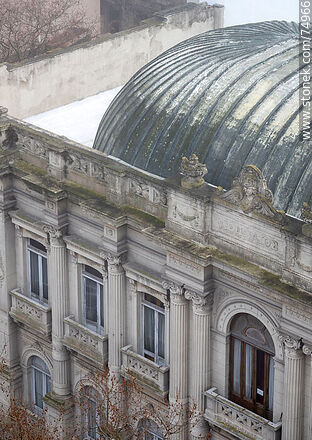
[(33, 27), (115, 409)]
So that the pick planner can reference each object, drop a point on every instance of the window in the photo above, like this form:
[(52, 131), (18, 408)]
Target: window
[(91, 417), (37, 270), (252, 365), (153, 329), (40, 383), (150, 430), (93, 299)]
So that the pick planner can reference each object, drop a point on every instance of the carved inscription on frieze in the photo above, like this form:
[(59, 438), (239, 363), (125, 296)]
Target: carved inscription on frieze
[(242, 233)]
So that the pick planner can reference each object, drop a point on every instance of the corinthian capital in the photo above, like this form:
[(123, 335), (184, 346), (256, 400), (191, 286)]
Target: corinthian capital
[(173, 288), (55, 234), (292, 345), (200, 303)]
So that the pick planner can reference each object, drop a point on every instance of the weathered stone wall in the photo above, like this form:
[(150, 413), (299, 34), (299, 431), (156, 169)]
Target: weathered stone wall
[(75, 73)]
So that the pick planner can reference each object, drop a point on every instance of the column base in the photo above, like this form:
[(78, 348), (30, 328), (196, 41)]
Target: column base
[(60, 414)]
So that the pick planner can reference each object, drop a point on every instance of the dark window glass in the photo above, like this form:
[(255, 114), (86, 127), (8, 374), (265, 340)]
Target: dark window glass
[(91, 299), (34, 273), (93, 272), (37, 245)]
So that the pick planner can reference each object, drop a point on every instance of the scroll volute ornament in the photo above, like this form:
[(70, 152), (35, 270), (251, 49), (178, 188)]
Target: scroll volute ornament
[(193, 172), (249, 191)]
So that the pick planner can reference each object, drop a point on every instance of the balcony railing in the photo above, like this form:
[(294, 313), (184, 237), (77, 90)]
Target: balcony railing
[(30, 312), (238, 421), (146, 371), (84, 341)]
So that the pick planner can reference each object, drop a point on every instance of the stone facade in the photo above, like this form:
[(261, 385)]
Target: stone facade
[(207, 255)]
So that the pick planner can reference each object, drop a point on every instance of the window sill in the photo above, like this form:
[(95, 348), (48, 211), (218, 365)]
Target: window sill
[(30, 312), (84, 341), (238, 421), (150, 374)]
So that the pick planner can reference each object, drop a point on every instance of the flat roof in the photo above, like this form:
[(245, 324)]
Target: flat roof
[(78, 120)]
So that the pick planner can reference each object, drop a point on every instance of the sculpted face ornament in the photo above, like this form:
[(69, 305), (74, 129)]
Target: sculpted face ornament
[(192, 172), (249, 191)]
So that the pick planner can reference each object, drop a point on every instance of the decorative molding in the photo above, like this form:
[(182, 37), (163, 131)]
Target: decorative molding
[(306, 213), (200, 303), (291, 343), (307, 350), (249, 191), (33, 146), (148, 192), (132, 286), (18, 231), (193, 172), (55, 234), (184, 263), (173, 288)]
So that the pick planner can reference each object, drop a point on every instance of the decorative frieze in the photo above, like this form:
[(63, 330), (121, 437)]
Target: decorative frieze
[(32, 146), (145, 370), (183, 264), (148, 192)]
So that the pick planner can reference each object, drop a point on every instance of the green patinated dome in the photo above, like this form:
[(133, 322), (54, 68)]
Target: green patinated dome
[(232, 97)]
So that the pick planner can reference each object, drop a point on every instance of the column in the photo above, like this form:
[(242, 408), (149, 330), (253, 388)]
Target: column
[(57, 279), (308, 352), (200, 356), (293, 389), (178, 387), (116, 292)]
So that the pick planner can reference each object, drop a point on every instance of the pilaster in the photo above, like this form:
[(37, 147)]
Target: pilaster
[(200, 355), (178, 388), (58, 295), (308, 352), (293, 389), (116, 293)]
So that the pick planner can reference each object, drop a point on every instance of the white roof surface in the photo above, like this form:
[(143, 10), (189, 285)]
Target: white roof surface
[(78, 120)]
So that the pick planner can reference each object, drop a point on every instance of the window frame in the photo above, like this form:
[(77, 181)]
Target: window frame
[(44, 377), (251, 404), (92, 325), (157, 310), (41, 254)]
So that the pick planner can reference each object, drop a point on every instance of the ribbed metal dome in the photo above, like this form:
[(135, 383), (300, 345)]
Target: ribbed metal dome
[(232, 97)]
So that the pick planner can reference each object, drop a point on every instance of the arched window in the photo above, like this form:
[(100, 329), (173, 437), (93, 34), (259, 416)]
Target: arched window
[(153, 329), (90, 401), (149, 430), (252, 365), (37, 270), (40, 382)]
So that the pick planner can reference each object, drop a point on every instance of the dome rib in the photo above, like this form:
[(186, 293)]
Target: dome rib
[(228, 95)]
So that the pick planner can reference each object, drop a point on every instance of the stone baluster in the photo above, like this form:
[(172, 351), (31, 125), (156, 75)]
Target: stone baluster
[(200, 355), (308, 352), (293, 389), (178, 387), (116, 292), (57, 279)]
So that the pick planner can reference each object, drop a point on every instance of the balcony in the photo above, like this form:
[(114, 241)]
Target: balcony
[(238, 421), (31, 313), (146, 371), (84, 341)]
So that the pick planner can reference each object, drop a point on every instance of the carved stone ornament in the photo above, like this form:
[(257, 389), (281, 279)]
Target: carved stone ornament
[(192, 172), (291, 343), (200, 303), (55, 234), (249, 191), (306, 213), (174, 288), (307, 350)]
